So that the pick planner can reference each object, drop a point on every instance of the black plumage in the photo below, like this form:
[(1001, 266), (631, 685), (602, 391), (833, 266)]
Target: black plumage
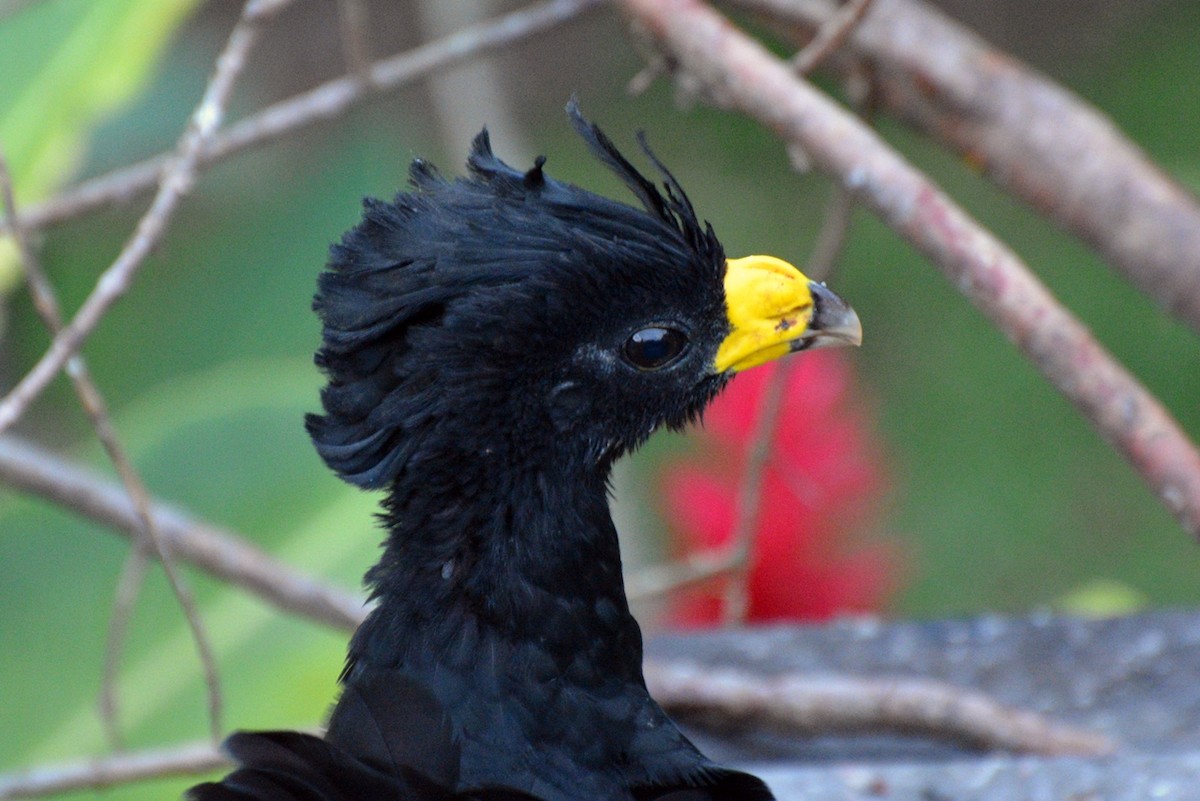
[(493, 343)]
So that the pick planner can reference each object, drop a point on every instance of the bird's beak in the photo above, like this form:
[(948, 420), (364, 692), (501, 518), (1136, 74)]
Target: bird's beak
[(775, 310)]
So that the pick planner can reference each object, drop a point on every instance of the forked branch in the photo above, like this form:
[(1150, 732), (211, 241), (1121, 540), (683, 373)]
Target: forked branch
[(1033, 137), (736, 72)]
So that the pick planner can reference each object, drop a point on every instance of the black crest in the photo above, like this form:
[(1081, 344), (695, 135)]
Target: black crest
[(413, 267), (674, 209)]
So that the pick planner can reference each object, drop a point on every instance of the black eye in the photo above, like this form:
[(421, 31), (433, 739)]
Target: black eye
[(652, 348)]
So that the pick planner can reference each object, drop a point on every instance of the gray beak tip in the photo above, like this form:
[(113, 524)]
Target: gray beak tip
[(833, 322)]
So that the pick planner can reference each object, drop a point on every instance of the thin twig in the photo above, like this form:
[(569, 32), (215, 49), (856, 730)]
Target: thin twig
[(109, 771), (9, 8), (832, 34), (114, 282), (215, 550), (466, 97), (831, 239), (326, 102), (352, 24), (736, 596), (175, 182), (839, 208), (270, 580), (875, 704), (148, 539), (1031, 136), (800, 704), (692, 570), (697, 569), (736, 563), (721, 698), (807, 704), (758, 452), (129, 586), (739, 73)]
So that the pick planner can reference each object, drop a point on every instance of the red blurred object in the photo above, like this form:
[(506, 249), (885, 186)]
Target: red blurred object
[(822, 490)]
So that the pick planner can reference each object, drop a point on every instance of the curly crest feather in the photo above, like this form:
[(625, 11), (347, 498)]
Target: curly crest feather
[(414, 264)]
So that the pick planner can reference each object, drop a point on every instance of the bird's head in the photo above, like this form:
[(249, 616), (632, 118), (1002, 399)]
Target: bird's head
[(507, 313)]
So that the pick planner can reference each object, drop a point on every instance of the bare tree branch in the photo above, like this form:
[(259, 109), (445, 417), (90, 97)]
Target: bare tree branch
[(758, 453), (830, 36), (735, 560), (749, 500), (176, 181), (1034, 138), (716, 697), (130, 581), (352, 22), (148, 539), (325, 102), (738, 73), (699, 568), (926, 708), (692, 570), (9, 8), (805, 704), (110, 771), (215, 550)]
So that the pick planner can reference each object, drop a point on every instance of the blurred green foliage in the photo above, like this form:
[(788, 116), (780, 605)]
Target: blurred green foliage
[(1006, 498), (68, 63)]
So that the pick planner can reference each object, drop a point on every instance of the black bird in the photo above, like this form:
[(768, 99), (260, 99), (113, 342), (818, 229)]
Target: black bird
[(493, 343)]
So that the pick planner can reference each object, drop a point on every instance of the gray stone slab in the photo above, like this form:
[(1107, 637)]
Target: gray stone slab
[(1136, 679), (993, 778)]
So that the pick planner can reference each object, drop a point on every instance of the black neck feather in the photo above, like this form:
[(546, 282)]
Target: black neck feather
[(501, 555)]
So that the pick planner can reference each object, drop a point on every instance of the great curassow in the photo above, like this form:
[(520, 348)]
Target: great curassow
[(493, 344)]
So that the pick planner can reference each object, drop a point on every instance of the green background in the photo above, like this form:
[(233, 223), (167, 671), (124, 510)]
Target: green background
[(1003, 496)]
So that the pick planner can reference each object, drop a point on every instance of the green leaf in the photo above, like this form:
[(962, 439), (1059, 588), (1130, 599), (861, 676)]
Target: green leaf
[(68, 64), (1102, 597)]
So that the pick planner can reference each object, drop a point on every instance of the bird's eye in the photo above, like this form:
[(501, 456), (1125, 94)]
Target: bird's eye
[(652, 348)]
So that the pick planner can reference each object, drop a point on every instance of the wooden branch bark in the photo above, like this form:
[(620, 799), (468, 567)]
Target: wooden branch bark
[(218, 551), (110, 771), (147, 537), (328, 101), (231, 558), (736, 72), (807, 704), (174, 183), (1035, 139)]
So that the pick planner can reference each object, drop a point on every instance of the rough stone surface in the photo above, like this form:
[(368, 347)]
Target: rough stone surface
[(1136, 679)]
